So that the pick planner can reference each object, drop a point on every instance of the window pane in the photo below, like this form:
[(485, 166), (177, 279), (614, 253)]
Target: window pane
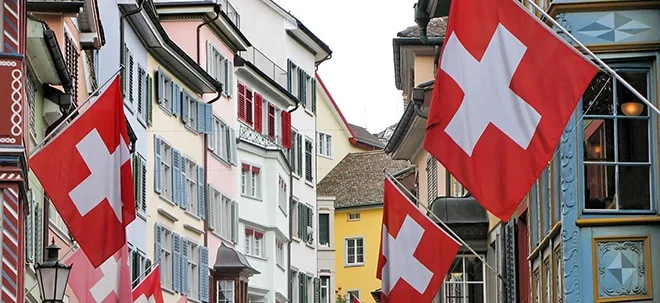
[(456, 270), (474, 269), (633, 140), (603, 105), (454, 293), (634, 187), (600, 188), (476, 293), (599, 140), (638, 80)]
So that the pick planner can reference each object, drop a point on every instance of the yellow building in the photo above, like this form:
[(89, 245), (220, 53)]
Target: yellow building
[(355, 185)]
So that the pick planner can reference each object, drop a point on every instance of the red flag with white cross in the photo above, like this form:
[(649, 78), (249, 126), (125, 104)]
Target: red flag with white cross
[(415, 254), (86, 172), (505, 89), (149, 290), (109, 283)]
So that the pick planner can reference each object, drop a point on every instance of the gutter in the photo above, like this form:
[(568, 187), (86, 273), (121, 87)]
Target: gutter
[(121, 37)]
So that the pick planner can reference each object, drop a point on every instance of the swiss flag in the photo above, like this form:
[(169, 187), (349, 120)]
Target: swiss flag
[(149, 291), (505, 89), (110, 283), (415, 254), (86, 172)]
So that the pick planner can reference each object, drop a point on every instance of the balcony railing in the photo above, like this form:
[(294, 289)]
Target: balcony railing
[(265, 65), (248, 134), (229, 10)]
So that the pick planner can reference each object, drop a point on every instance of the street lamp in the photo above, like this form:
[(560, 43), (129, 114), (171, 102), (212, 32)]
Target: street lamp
[(376, 295), (52, 276)]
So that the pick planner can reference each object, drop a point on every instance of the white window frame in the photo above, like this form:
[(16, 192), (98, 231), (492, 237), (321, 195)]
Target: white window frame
[(166, 255), (167, 188), (251, 182), (192, 266), (191, 186), (355, 216), (227, 288), (56, 221), (325, 288), (355, 248), (222, 146), (349, 292), (222, 214), (255, 247), (464, 282), (283, 195), (279, 253), (324, 144)]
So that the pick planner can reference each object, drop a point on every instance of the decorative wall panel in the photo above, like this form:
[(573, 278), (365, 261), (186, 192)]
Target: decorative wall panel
[(622, 268)]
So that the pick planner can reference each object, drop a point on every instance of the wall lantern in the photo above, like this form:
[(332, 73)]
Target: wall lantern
[(52, 276)]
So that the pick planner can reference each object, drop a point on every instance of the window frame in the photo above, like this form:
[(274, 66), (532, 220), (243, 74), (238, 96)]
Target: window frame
[(167, 257), (355, 247), (308, 150), (251, 243), (230, 289), (324, 144), (464, 280), (193, 273), (283, 195), (251, 182)]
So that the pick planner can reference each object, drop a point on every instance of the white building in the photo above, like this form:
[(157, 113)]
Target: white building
[(278, 75)]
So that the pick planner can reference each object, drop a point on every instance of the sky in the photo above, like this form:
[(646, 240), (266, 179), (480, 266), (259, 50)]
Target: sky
[(360, 75)]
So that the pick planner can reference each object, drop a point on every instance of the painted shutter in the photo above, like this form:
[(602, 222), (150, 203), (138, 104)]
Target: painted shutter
[(150, 97), (299, 142), (212, 206), (158, 245), (124, 72), (183, 188), (30, 229), (209, 58), (310, 217), (232, 145), (176, 266), (208, 118), (510, 261), (184, 265), (234, 219), (324, 229), (303, 80), (286, 129), (176, 100), (203, 274), (185, 103), (302, 294), (210, 138), (176, 175), (229, 87), (160, 88), (143, 183), (271, 120), (301, 74), (201, 204), (131, 76), (317, 290), (201, 112), (39, 231), (157, 181), (140, 92), (314, 95), (289, 67), (241, 101), (258, 112), (301, 221)]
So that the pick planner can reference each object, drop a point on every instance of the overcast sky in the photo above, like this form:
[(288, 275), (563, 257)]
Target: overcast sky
[(360, 75)]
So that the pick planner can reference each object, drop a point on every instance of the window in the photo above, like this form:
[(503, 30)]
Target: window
[(33, 230), (56, 220), (325, 289), (465, 281), (301, 85), (222, 141), (220, 68), (251, 181), (223, 219), (324, 145), (254, 243), (617, 128), (354, 251), (143, 94), (305, 218), (140, 265), (431, 178), (245, 102), (167, 95), (295, 217), (166, 170), (283, 198), (166, 261), (352, 294), (309, 146), (193, 270), (191, 186), (295, 158), (272, 125), (324, 230), (279, 252), (353, 216), (456, 189), (71, 60), (139, 182), (225, 292)]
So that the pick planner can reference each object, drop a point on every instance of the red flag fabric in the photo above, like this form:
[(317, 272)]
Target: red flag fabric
[(415, 254), (183, 299), (356, 300), (86, 172), (149, 291), (505, 89), (110, 283)]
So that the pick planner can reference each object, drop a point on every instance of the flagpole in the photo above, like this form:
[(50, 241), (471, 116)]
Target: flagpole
[(93, 94), (457, 237), (611, 71)]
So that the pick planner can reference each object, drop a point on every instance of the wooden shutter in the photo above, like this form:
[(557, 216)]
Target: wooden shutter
[(160, 88), (249, 98), (184, 265), (176, 175), (302, 293), (158, 245), (176, 100), (201, 113), (232, 146), (258, 112), (30, 229), (301, 80), (299, 142), (201, 204), (203, 274), (213, 207), (183, 189), (185, 107), (140, 90), (176, 268), (234, 219), (143, 183), (131, 76), (208, 118), (209, 59), (317, 290), (124, 71), (150, 87), (157, 159), (289, 75), (286, 129), (241, 101), (510, 261), (314, 95)]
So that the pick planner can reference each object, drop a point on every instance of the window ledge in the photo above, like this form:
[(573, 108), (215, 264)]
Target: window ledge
[(190, 129), (166, 200), (141, 121), (326, 248), (309, 112), (283, 210), (60, 233), (324, 156), (142, 215), (166, 110), (256, 257), (224, 239), (217, 157), (167, 290), (281, 267), (309, 183), (190, 214), (354, 265), (252, 198), (167, 215), (310, 245), (193, 229), (295, 175)]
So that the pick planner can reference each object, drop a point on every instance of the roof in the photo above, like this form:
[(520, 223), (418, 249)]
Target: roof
[(435, 28), (357, 180), (362, 135)]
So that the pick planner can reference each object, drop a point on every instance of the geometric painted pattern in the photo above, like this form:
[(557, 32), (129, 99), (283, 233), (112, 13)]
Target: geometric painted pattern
[(622, 268), (614, 27), (11, 29), (10, 245)]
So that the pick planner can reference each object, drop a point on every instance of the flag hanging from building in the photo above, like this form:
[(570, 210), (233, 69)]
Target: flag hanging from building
[(110, 283), (86, 172), (149, 291), (415, 254), (505, 89)]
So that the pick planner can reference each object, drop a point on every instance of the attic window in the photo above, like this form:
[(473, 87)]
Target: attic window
[(353, 216)]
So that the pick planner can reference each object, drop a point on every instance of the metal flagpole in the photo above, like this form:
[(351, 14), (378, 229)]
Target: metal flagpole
[(93, 94), (611, 71), (446, 228)]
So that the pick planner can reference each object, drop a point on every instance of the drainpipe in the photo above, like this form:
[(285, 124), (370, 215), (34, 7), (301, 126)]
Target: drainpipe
[(422, 19), (216, 10), (288, 249), (317, 63), (121, 34)]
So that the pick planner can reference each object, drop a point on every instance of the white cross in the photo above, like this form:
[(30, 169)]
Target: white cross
[(104, 181), (143, 299), (487, 96), (401, 262), (109, 283)]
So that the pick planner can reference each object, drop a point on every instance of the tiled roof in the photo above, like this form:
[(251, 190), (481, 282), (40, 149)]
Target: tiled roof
[(362, 135), (357, 180), (435, 28)]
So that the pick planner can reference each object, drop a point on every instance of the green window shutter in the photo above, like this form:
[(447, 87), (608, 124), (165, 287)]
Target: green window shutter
[(143, 184), (317, 290), (289, 76), (150, 87), (324, 229), (302, 296), (131, 76), (314, 95)]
